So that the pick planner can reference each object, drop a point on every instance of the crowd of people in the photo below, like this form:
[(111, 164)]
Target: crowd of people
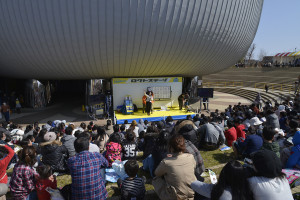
[(265, 140)]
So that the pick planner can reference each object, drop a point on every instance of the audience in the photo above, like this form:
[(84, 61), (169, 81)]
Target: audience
[(170, 150)]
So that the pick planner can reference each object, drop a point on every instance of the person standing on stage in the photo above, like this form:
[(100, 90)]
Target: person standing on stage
[(148, 102), (144, 103), (152, 101), (180, 101)]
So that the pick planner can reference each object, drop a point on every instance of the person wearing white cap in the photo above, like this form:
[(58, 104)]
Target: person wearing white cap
[(255, 123)]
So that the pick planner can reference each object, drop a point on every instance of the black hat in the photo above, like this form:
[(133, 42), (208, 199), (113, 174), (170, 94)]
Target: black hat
[(267, 164)]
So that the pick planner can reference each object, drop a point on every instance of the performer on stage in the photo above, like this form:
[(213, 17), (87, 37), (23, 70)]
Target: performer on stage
[(152, 101), (180, 101), (144, 103), (148, 102)]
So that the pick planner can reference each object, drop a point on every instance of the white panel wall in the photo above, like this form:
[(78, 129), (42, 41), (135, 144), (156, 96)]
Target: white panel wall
[(136, 90), (91, 39)]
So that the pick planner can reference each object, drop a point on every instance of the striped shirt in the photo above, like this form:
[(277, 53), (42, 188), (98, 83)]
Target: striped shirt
[(133, 188)]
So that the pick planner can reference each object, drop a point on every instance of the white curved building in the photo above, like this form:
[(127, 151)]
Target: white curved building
[(86, 39)]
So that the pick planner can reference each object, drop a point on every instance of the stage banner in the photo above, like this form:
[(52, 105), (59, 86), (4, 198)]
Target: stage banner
[(146, 80)]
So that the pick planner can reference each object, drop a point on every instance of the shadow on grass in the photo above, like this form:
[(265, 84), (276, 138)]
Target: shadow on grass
[(223, 157)]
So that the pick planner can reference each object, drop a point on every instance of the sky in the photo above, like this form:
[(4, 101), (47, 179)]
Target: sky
[(279, 28)]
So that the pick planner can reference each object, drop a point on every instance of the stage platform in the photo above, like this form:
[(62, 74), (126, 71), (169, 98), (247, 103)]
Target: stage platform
[(157, 115)]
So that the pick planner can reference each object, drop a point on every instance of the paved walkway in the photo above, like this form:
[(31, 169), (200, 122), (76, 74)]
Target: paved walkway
[(71, 110)]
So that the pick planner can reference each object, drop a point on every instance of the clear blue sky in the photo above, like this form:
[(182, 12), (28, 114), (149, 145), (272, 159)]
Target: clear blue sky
[(279, 27)]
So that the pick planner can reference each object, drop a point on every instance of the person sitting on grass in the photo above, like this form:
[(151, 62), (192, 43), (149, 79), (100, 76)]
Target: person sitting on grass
[(129, 147), (46, 179), (232, 184), (85, 168), (132, 187), (251, 144), (230, 133), (269, 143), (113, 149), (22, 182)]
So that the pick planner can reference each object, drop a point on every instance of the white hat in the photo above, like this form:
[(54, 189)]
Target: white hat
[(281, 108), (254, 121)]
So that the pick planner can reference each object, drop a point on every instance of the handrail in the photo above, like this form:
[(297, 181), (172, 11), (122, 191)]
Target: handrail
[(260, 85), (223, 84), (275, 86)]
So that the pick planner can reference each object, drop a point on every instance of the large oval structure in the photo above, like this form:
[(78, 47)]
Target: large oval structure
[(85, 39)]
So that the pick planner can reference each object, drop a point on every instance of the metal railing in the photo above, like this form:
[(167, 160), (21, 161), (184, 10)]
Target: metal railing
[(223, 84), (275, 86), (260, 85)]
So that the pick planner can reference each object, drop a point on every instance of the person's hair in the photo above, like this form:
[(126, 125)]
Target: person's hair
[(163, 138), (89, 128), (81, 144), (108, 122), (4, 124), (2, 134), (146, 122), (230, 123), (116, 128), (3, 152), (91, 123), (122, 127), (68, 131), (204, 120), (101, 133), (115, 137), (83, 125), (142, 134), (293, 124), (268, 133), (27, 156), (77, 133), (130, 137), (35, 124), (94, 128), (148, 92), (177, 144), (126, 121), (85, 135), (233, 175), (152, 129), (131, 168), (44, 171), (282, 114), (28, 128), (8, 137), (169, 119)]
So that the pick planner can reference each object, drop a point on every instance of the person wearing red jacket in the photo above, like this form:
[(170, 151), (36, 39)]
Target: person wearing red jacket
[(45, 180), (230, 133), (240, 127), (5, 161)]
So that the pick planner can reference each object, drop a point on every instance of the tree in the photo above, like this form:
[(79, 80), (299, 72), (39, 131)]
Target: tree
[(262, 54), (250, 53)]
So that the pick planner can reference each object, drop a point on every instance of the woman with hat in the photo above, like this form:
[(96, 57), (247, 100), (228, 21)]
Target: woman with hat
[(268, 181), (54, 153)]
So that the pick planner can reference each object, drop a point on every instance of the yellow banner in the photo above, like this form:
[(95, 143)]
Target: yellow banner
[(147, 80)]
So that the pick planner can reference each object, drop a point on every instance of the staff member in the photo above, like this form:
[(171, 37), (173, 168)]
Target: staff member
[(180, 101)]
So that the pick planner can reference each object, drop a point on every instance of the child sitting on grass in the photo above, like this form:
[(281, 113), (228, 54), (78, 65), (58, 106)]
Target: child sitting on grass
[(46, 179), (132, 187)]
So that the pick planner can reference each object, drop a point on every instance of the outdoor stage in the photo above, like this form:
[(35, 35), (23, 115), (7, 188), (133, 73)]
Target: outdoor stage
[(157, 115)]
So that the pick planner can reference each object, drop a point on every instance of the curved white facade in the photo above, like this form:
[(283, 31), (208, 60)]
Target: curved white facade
[(84, 39)]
